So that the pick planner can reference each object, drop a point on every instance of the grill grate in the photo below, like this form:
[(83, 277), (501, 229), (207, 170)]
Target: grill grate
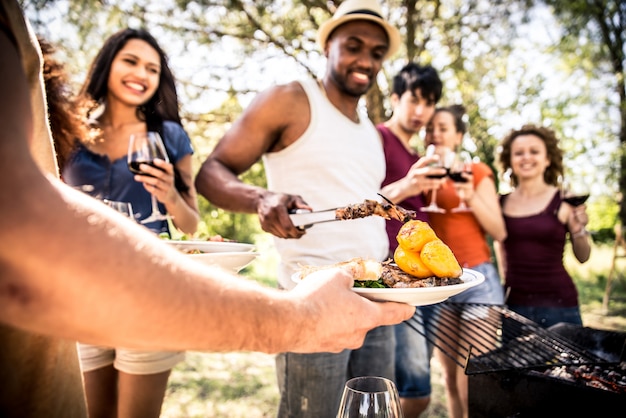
[(494, 338)]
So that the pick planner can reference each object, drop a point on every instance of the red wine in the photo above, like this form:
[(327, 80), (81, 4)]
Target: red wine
[(576, 200), (457, 177), (133, 166), (436, 176)]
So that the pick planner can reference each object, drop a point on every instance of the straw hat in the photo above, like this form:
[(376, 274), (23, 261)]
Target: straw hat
[(359, 10)]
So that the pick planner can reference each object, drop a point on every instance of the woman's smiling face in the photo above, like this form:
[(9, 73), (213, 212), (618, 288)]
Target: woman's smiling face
[(529, 156), (135, 73)]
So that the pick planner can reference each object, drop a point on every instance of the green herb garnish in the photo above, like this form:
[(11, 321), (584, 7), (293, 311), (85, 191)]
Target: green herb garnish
[(375, 284)]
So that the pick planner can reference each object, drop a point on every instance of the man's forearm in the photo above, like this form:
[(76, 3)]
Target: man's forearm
[(224, 189)]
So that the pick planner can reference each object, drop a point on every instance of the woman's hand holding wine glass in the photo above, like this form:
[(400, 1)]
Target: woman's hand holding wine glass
[(148, 159), (370, 397)]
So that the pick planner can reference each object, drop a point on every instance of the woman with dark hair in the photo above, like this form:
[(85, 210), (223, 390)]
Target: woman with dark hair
[(538, 222), (132, 90), (465, 231)]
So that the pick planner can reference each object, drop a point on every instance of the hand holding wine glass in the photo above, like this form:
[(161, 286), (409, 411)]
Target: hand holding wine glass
[(370, 397), (144, 148)]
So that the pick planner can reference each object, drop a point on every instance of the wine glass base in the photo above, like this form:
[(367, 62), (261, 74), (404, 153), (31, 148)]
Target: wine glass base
[(435, 209), (154, 219), (460, 209)]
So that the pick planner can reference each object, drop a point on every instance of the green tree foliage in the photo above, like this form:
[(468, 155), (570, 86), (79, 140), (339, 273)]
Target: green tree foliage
[(595, 40), (508, 61)]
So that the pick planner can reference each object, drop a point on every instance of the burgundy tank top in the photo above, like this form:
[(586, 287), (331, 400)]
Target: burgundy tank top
[(534, 249), (399, 161)]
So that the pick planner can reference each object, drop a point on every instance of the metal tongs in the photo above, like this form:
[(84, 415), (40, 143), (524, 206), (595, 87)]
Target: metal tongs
[(303, 218)]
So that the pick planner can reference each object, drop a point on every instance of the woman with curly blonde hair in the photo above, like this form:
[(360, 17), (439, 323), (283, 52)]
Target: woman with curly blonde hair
[(538, 222)]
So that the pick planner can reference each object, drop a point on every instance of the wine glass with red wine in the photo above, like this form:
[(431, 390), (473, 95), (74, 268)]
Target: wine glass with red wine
[(462, 163), (433, 207), (144, 148), (575, 194)]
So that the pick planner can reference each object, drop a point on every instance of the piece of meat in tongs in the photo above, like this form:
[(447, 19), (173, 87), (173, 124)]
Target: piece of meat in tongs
[(387, 210)]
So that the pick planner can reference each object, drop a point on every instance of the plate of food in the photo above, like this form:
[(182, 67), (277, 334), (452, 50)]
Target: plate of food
[(423, 271), (201, 247), (428, 295), (234, 261), (373, 282)]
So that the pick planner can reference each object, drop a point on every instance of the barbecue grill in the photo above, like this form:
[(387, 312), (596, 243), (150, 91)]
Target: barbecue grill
[(516, 368)]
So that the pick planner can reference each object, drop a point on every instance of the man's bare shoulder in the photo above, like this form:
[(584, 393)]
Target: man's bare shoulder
[(290, 94), (281, 109)]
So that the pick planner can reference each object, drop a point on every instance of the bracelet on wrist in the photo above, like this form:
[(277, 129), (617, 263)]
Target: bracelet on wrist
[(582, 233)]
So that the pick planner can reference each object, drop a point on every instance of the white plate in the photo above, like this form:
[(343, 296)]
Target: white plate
[(234, 261), (211, 246), (419, 296)]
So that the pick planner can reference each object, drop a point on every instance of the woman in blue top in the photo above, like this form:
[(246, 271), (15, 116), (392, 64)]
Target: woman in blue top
[(133, 90)]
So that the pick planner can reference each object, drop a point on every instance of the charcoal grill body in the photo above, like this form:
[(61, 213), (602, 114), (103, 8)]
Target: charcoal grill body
[(521, 394), (532, 371), (535, 392)]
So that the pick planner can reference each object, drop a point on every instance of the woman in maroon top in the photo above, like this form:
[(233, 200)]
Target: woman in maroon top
[(538, 223)]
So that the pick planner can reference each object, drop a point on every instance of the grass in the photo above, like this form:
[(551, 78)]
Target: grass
[(243, 384)]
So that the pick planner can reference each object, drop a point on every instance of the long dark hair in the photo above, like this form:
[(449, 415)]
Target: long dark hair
[(162, 106), (64, 108)]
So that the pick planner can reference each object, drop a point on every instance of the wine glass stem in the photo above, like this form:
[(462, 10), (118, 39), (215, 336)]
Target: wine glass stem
[(461, 198), (155, 206), (433, 198)]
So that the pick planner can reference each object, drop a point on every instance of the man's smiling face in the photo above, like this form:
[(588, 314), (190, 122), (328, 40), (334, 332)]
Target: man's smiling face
[(355, 52)]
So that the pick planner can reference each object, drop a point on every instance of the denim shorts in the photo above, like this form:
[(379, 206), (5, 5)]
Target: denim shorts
[(490, 291), (93, 357), (413, 353), (548, 316), (311, 385)]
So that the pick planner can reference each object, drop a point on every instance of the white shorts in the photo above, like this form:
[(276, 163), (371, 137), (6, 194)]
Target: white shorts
[(93, 357)]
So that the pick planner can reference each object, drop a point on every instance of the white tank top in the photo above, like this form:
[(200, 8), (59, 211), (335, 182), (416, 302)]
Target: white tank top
[(336, 162)]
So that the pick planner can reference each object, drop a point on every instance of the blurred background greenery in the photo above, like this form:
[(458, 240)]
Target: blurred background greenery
[(560, 63)]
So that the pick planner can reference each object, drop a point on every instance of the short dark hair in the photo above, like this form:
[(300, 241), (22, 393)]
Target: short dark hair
[(414, 76)]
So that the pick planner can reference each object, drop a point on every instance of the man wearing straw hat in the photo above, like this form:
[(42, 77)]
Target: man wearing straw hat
[(320, 151)]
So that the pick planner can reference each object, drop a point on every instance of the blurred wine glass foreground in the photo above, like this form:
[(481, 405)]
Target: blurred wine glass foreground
[(370, 397), (125, 208)]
